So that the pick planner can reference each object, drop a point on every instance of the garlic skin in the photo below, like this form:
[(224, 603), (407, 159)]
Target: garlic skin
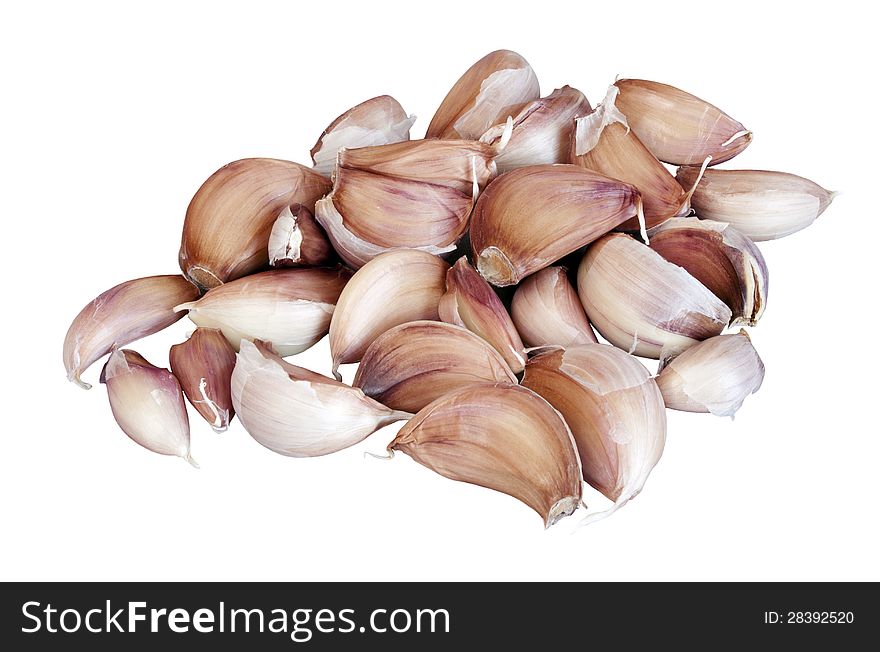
[(394, 288), (471, 302), (546, 311), (378, 121), (291, 308), (147, 403), (503, 437), (228, 222), (604, 143), (121, 315), (413, 195), (713, 376), (643, 304), (203, 366), (531, 217), (761, 204), (677, 127), (542, 130), (297, 240), (615, 412), (300, 414), (728, 263), (410, 365), (492, 89)]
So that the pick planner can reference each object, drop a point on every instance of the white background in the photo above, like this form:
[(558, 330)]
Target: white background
[(112, 116)]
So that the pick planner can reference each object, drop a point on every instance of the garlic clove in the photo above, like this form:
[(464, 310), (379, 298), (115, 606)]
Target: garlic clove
[(410, 365), (533, 216), (615, 412), (203, 366), (729, 264), (394, 288), (503, 437), (546, 311), (471, 302), (492, 89), (643, 304), (761, 204), (291, 308), (147, 403), (378, 121), (228, 222), (297, 240), (121, 315), (412, 195), (604, 143), (297, 414), (542, 130), (715, 376), (677, 127)]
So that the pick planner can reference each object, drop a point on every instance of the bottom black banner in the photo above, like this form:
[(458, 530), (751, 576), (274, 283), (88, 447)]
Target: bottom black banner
[(318, 616)]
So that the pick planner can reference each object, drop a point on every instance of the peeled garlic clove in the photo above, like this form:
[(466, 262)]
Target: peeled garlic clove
[(492, 89), (394, 288), (542, 130), (227, 225), (546, 311), (604, 143), (413, 195), (301, 415), (615, 412), (297, 240), (471, 303), (410, 365), (203, 366), (122, 314), (729, 264), (677, 127), (533, 216), (713, 376), (503, 437), (291, 308), (377, 121), (147, 404), (761, 204), (643, 304)]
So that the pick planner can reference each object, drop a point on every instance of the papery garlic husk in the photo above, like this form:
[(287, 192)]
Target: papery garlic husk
[(604, 143), (643, 304), (615, 412), (713, 376), (394, 288), (410, 365), (147, 403), (677, 127), (378, 121), (728, 263), (227, 225), (203, 366), (296, 240), (503, 437), (531, 217), (490, 91), (297, 412), (290, 308), (546, 311), (762, 204), (471, 302), (121, 315), (542, 130), (413, 195)]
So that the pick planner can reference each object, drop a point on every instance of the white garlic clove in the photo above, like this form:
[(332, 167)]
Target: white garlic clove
[(546, 311), (296, 240), (203, 366)]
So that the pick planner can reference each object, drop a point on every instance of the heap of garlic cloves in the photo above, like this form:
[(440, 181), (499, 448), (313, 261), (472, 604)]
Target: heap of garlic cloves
[(467, 273)]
